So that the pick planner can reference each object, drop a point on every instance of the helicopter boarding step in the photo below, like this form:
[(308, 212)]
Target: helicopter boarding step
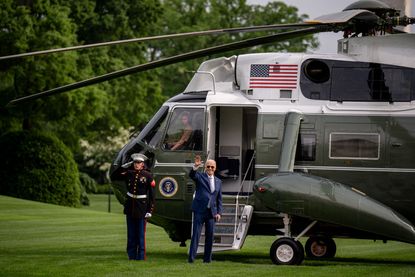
[(230, 232)]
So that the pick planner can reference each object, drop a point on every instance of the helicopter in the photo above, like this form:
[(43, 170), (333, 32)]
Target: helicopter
[(307, 145)]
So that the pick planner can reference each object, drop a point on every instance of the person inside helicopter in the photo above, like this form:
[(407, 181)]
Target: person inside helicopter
[(185, 133)]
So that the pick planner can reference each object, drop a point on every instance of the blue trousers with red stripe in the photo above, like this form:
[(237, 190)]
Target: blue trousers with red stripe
[(136, 238)]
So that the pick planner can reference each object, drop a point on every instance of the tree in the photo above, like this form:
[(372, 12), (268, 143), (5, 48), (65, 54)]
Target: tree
[(131, 100), (195, 15), (91, 113), (27, 28), (97, 112)]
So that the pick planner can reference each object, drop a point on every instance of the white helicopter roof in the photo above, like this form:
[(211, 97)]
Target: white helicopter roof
[(245, 71), (271, 81), (264, 76)]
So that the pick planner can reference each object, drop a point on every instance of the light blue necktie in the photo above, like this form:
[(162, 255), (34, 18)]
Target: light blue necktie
[(212, 187), (212, 183)]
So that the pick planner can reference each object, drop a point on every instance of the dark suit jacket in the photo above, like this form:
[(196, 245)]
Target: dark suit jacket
[(203, 194)]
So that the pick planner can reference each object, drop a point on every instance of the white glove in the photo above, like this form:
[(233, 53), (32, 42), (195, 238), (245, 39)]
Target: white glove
[(148, 215)]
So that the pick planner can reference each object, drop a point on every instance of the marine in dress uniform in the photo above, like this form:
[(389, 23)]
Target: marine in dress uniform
[(138, 206)]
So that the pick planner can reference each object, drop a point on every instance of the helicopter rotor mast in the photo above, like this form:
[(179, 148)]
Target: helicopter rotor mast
[(387, 19)]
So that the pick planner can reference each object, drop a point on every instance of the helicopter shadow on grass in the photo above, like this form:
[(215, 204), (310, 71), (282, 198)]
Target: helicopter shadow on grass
[(244, 258), (235, 257), (231, 257), (265, 259), (356, 262), (68, 254), (160, 254), (152, 254)]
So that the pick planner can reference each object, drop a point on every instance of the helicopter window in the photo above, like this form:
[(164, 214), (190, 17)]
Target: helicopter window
[(306, 148), (357, 81), (185, 130), (373, 83), (354, 146), (153, 131), (317, 71), (350, 84), (400, 83)]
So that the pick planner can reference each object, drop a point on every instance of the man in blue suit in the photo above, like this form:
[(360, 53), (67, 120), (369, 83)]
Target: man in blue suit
[(206, 207)]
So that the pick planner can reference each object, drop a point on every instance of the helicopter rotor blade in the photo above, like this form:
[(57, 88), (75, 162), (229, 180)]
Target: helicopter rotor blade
[(334, 18), (175, 59), (346, 16), (169, 36)]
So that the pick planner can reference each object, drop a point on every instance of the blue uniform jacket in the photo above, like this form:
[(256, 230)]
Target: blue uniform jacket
[(203, 194)]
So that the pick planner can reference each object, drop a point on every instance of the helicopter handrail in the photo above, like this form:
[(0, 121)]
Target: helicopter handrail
[(236, 218), (237, 196), (245, 175)]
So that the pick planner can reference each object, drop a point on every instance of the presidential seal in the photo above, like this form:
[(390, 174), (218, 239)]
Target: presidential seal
[(168, 186)]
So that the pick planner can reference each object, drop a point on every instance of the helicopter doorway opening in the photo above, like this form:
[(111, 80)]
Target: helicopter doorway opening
[(232, 133)]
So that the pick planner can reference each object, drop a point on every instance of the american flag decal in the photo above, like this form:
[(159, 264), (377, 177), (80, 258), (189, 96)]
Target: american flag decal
[(282, 76)]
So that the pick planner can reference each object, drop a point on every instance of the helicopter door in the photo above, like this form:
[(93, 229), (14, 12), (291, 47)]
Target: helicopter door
[(232, 133), (183, 138)]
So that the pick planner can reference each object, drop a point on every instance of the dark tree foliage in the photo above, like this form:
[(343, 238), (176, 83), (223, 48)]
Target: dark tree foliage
[(97, 112), (196, 15), (38, 166), (93, 112)]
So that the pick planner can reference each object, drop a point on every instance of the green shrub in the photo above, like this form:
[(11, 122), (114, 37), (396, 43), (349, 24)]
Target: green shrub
[(104, 189), (88, 183), (84, 197), (38, 166)]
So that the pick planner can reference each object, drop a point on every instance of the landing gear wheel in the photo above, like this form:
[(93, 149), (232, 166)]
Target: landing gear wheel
[(320, 247), (286, 251)]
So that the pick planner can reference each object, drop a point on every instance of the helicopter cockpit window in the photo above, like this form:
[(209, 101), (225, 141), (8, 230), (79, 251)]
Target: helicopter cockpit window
[(153, 131), (185, 130)]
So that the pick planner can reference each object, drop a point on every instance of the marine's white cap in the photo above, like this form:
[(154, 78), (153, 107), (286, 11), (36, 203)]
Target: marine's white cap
[(137, 157)]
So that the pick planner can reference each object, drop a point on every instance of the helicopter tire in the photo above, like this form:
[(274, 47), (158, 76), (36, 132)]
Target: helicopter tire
[(318, 247), (287, 251)]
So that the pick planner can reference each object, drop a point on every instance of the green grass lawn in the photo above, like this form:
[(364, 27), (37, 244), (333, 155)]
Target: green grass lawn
[(39, 239), (103, 203)]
